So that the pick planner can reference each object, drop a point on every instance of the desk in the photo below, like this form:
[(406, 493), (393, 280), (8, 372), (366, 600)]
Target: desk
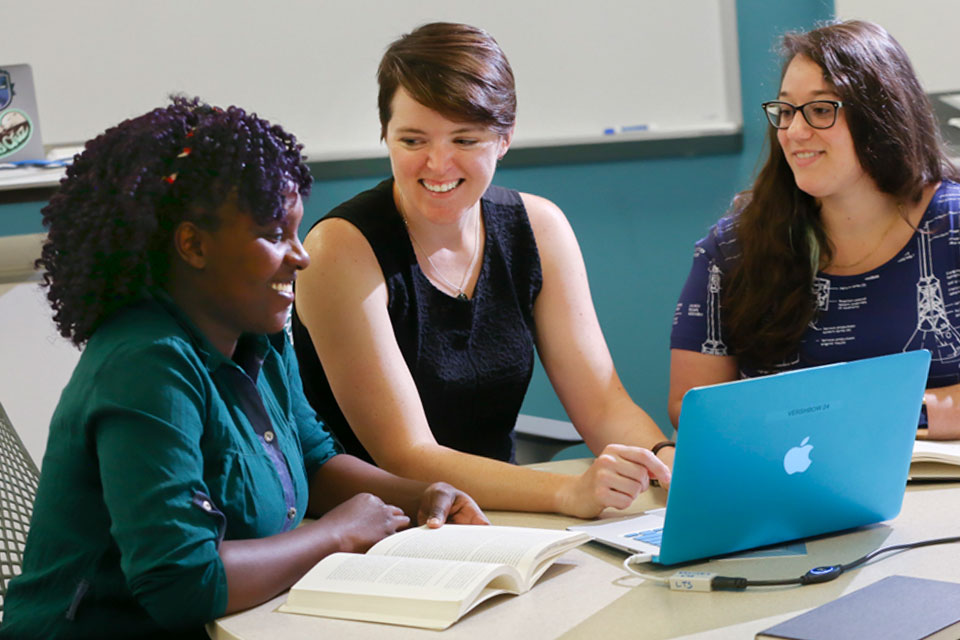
[(603, 603)]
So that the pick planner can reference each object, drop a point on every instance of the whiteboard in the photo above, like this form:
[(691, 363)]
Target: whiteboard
[(927, 30), (581, 66)]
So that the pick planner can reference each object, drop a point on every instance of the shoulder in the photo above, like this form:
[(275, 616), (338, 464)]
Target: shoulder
[(343, 265), (333, 238), (545, 217), (502, 196), (144, 358), (720, 244), (946, 198), (359, 216), (943, 209), (145, 325), (142, 337), (357, 230)]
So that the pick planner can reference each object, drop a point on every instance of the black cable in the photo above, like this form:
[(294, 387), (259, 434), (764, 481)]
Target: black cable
[(821, 574)]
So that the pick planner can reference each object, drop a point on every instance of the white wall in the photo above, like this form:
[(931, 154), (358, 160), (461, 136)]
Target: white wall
[(927, 29), (311, 64), (35, 362)]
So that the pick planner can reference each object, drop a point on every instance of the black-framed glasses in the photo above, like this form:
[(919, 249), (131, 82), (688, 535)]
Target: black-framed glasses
[(819, 114)]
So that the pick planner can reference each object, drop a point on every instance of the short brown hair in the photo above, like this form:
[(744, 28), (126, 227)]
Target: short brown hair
[(457, 70)]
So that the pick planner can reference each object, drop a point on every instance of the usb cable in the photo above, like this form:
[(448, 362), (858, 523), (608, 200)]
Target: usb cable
[(706, 581)]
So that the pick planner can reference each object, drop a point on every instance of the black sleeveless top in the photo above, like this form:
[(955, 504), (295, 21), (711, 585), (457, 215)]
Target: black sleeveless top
[(470, 359)]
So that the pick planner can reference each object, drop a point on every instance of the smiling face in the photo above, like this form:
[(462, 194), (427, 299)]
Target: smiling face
[(440, 167), (244, 283), (824, 161)]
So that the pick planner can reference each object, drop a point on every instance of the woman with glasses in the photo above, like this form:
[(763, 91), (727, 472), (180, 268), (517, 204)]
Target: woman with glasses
[(846, 246), (417, 323)]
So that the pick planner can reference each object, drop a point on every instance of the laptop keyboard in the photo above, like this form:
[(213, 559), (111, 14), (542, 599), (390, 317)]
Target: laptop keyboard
[(650, 536)]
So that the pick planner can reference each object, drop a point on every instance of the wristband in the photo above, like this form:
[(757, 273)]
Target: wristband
[(661, 445)]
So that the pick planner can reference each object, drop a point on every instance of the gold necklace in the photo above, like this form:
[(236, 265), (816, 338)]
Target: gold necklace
[(901, 215), (460, 295)]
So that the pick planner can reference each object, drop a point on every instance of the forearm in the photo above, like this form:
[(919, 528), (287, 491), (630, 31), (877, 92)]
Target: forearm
[(620, 421), (258, 569), (943, 412), (494, 484), (344, 476), (356, 505)]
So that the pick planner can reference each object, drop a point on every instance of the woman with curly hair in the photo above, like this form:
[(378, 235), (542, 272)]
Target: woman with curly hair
[(846, 247), (183, 454)]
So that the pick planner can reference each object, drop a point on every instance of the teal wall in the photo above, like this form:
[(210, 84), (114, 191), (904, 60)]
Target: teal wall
[(636, 220)]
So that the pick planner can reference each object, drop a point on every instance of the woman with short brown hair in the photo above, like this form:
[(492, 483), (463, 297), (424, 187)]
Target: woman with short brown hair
[(417, 325)]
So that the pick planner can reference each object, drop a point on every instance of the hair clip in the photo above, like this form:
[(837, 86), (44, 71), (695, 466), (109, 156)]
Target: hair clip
[(186, 151)]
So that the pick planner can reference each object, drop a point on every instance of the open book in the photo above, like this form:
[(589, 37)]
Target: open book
[(935, 460), (429, 577)]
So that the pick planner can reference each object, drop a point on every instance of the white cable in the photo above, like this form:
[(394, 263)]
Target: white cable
[(638, 558), (680, 581)]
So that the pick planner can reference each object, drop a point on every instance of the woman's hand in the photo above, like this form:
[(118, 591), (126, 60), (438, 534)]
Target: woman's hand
[(441, 503), (618, 475), (362, 521), (943, 412)]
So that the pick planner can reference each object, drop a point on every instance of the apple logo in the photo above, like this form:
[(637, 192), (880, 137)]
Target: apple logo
[(798, 458)]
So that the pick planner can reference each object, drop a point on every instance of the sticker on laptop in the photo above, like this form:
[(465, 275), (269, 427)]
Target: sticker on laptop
[(6, 89), (15, 131)]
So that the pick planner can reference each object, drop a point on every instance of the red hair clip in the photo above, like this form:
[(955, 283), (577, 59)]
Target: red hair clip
[(186, 151)]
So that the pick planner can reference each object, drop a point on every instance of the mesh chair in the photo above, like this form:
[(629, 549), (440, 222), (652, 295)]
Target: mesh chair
[(18, 487)]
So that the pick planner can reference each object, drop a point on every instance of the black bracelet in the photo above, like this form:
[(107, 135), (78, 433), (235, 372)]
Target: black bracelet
[(661, 445)]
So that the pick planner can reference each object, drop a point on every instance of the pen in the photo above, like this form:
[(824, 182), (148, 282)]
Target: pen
[(46, 164), (632, 128)]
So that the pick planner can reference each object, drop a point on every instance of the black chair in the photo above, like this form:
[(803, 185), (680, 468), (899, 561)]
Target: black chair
[(18, 487)]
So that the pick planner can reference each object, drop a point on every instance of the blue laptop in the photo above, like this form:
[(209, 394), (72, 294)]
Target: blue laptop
[(782, 457)]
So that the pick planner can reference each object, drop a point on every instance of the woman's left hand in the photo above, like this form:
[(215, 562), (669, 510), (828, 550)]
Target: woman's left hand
[(943, 412), (442, 503)]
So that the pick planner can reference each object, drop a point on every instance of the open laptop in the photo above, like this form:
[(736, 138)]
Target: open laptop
[(767, 460), (19, 118)]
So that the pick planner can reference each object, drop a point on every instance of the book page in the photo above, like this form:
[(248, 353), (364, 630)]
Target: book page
[(409, 577), (409, 591), (946, 451), (526, 549)]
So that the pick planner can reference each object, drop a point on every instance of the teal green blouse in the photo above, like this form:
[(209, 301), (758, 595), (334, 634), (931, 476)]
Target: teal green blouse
[(160, 448)]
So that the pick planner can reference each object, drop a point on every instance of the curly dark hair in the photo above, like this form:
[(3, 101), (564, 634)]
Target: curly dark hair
[(769, 299), (111, 222)]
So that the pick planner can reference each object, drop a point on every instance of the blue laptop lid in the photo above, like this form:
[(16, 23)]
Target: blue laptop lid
[(766, 460)]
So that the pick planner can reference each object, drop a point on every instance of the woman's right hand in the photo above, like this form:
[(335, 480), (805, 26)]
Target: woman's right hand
[(618, 475), (362, 521)]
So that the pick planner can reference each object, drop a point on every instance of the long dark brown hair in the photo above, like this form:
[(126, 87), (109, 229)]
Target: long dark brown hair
[(768, 299)]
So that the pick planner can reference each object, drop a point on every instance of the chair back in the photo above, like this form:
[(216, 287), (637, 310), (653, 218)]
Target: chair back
[(18, 488)]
